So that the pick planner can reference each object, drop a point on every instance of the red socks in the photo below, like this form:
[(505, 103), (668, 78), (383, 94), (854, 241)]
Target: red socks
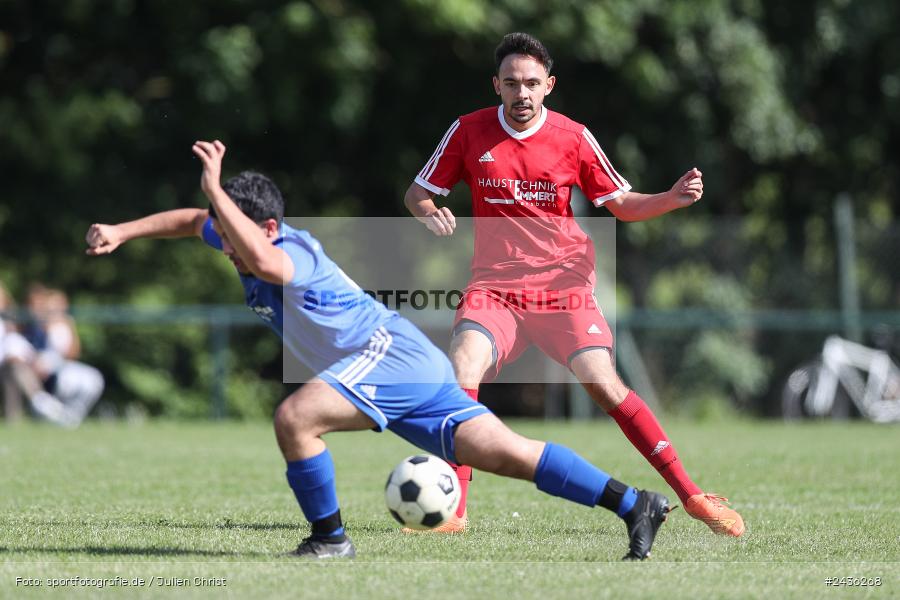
[(464, 472), (643, 430)]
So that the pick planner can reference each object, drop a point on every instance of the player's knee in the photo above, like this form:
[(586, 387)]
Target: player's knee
[(282, 417), (291, 418), (597, 373)]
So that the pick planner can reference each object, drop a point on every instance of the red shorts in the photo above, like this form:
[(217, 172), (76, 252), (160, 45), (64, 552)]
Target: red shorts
[(559, 322)]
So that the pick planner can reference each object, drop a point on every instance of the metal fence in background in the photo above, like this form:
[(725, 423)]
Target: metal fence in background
[(763, 298), (220, 321)]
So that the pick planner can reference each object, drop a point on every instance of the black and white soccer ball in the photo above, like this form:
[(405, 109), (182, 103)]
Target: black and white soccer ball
[(422, 492)]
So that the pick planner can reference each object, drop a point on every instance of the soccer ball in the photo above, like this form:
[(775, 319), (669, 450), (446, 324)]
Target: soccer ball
[(422, 492)]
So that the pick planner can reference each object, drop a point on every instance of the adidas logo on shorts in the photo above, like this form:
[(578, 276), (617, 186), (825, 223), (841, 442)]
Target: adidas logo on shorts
[(594, 329), (369, 390)]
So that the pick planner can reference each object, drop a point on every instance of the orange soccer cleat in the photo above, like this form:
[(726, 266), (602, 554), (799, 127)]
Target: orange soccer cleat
[(453, 525), (711, 509)]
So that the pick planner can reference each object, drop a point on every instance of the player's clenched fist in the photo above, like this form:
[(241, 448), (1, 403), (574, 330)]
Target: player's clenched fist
[(210, 154), (689, 187), (102, 239), (441, 222)]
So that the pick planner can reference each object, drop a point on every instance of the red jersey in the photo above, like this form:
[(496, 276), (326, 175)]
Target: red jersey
[(527, 175)]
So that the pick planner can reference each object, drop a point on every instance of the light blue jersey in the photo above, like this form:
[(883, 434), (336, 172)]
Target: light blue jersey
[(372, 356), (322, 315)]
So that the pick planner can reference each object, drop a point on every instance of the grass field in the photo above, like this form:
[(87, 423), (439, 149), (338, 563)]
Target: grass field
[(166, 500)]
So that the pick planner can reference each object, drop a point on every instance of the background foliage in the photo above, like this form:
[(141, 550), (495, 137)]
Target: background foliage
[(782, 106)]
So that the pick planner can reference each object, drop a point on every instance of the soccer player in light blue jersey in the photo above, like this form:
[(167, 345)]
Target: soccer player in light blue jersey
[(375, 370)]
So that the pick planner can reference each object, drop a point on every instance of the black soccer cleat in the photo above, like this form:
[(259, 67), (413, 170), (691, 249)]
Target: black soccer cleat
[(318, 548), (643, 521)]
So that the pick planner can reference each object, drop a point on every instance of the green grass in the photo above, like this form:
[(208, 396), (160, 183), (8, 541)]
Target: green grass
[(210, 500)]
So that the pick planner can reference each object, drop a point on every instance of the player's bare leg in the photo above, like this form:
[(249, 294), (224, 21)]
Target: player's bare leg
[(300, 422), (471, 354), (309, 413), (487, 444), (596, 372)]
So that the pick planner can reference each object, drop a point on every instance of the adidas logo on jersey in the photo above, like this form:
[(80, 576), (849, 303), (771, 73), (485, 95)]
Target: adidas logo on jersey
[(486, 157), (594, 329), (369, 390)]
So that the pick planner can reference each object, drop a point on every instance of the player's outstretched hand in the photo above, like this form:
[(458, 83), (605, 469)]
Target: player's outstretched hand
[(210, 154), (441, 222), (102, 239), (689, 187)]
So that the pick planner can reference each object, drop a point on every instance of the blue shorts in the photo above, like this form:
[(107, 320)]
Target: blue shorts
[(405, 383)]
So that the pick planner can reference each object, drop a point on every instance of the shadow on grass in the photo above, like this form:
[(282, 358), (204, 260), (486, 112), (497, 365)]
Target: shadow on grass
[(224, 524), (127, 551), (228, 524), (389, 526), (301, 527)]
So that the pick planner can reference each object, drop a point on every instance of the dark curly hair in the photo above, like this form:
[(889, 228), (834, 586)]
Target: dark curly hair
[(256, 195), (523, 43)]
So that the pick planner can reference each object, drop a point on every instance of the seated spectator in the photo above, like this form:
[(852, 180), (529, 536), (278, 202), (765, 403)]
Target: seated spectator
[(19, 376), (51, 331)]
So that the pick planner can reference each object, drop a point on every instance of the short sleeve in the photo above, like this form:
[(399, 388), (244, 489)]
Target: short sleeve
[(444, 169), (210, 236), (596, 176), (303, 259)]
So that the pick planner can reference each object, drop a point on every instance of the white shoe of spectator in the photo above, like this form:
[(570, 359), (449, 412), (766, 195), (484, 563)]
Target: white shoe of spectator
[(47, 406)]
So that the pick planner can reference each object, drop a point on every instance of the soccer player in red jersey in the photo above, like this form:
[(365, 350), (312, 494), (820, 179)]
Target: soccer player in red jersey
[(520, 161)]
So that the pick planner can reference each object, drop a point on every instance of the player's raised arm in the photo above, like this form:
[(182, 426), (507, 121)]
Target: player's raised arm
[(420, 202), (182, 222), (634, 206), (250, 241)]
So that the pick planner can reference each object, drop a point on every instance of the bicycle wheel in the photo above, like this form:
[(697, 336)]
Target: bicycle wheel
[(796, 388)]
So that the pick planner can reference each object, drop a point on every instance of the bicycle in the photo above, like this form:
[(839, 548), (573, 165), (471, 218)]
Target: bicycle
[(846, 372)]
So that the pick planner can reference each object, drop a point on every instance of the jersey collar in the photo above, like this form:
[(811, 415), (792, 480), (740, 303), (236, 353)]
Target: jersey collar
[(521, 135)]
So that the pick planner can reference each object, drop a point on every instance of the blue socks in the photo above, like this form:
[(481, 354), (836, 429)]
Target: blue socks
[(312, 480), (561, 472), (618, 497)]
